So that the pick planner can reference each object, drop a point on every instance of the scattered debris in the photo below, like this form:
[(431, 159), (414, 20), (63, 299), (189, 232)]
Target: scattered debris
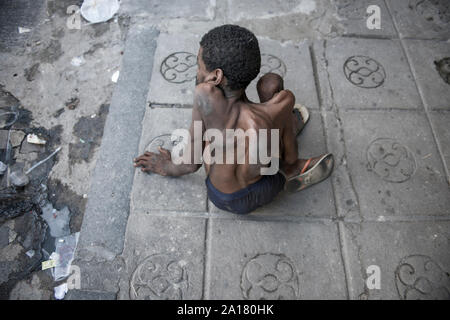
[(42, 161), (58, 112), (18, 179), (49, 263), (32, 138), (96, 11), (78, 61), (30, 253), (8, 118), (65, 249), (23, 30), (72, 103), (12, 236), (115, 76), (26, 232), (16, 138), (2, 168), (60, 291), (58, 221), (13, 204)]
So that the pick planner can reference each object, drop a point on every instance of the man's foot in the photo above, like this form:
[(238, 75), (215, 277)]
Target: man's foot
[(301, 117), (307, 172)]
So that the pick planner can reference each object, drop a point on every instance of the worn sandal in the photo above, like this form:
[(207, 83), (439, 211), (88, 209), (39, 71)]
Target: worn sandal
[(319, 172), (302, 114)]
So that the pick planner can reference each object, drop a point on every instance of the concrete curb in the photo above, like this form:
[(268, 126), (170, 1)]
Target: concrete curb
[(105, 219)]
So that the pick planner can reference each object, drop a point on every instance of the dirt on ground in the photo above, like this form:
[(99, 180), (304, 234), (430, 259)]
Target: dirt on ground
[(55, 82)]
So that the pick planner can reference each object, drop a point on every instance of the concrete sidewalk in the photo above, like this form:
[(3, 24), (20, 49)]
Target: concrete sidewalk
[(379, 101)]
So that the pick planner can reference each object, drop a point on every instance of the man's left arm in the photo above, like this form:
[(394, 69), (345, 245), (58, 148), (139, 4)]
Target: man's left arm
[(161, 163)]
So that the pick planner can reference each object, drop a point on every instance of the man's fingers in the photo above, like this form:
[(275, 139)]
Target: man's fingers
[(141, 157), (141, 162), (149, 154), (164, 152)]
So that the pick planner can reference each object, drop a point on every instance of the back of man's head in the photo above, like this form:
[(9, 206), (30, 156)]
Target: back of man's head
[(235, 50)]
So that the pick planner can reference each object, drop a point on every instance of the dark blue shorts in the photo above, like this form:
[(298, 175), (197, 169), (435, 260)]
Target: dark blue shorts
[(248, 199)]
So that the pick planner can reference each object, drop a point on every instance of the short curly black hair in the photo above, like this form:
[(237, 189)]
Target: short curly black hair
[(235, 50)]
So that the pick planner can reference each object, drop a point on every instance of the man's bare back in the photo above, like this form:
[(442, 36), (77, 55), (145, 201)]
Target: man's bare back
[(223, 113), (220, 103)]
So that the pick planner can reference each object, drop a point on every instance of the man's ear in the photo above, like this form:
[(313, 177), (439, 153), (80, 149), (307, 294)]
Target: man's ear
[(215, 77)]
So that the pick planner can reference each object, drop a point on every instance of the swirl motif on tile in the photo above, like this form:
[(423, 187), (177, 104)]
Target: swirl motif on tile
[(364, 72), (419, 277), (159, 277), (271, 63), (179, 67), (164, 141), (390, 160), (270, 276)]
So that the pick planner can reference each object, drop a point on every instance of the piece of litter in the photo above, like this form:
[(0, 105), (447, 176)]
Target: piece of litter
[(42, 161), (426, 156), (32, 138), (78, 61), (84, 196), (115, 76), (72, 103), (65, 250), (96, 11), (2, 168), (58, 221), (24, 30), (93, 116), (18, 179), (82, 141), (54, 256), (30, 253), (48, 264), (60, 291), (12, 236)]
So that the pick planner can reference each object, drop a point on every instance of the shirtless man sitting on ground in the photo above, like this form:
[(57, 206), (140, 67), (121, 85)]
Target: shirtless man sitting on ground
[(228, 60)]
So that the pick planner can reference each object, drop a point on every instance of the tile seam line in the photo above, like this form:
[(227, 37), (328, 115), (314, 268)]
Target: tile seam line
[(266, 218), (335, 111), (424, 106), (298, 219), (404, 220), (321, 112), (394, 22), (205, 278), (370, 37), (430, 124), (206, 295), (342, 248), (344, 257)]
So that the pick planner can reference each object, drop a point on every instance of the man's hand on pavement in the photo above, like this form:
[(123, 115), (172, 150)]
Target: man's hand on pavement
[(155, 162)]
